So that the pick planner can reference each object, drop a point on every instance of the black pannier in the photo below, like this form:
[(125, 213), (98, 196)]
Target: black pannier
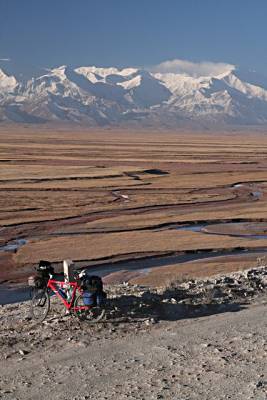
[(43, 271), (92, 283), (37, 281), (40, 282)]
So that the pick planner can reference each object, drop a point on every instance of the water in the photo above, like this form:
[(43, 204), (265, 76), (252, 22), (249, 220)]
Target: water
[(192, 228), (248, 236), (14, 245), (13, 295), (257, 194), (146, 264), (199, 228), (8, 295)]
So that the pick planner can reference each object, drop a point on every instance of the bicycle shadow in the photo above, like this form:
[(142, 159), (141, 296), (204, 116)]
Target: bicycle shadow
[(171, 305)]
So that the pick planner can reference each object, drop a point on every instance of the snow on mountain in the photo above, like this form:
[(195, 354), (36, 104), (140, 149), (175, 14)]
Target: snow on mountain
[(7, 83), (102, 73), (111, 96)]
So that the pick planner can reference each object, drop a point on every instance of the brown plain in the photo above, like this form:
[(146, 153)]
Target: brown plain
[(108, 195)]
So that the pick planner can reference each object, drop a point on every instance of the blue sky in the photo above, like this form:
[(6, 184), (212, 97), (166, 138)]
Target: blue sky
[(44, 33)]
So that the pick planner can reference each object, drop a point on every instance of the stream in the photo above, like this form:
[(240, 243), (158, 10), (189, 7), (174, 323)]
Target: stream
[(201, 228), (13, 245), (12, 295)]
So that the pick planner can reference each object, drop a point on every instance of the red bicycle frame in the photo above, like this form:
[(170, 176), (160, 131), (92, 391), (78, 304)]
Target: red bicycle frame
[(73, 286)]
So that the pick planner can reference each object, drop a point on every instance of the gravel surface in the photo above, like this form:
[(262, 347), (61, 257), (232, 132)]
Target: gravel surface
[(202, 339)]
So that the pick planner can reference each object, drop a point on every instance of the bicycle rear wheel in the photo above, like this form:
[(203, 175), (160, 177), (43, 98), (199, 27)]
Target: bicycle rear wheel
[(87, 313), (40, 304)]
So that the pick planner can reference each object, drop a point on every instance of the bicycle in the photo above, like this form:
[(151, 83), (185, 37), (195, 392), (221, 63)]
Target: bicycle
[(67, 293)]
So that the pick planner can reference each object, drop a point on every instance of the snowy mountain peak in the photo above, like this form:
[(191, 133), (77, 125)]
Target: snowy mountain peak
[(2, 74), (7, 82), (59, 71), (174, 95), (104, 72)]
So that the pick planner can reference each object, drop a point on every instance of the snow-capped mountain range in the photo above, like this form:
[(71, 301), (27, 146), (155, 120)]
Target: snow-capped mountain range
[(130, 96)]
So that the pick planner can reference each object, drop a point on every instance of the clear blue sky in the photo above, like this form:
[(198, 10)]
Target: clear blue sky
[(46, 33)]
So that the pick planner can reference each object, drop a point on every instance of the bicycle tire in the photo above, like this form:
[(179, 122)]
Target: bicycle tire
[(40, 304), (87, 313)]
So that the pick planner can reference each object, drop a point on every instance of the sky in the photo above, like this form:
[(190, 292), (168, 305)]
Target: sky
[(38, 34)]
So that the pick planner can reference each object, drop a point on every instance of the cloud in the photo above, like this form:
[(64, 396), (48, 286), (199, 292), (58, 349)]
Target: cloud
[(5, 59), (204, 68)]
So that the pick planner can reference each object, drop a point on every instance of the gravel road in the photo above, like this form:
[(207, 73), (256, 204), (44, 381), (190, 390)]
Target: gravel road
[(220, 354)]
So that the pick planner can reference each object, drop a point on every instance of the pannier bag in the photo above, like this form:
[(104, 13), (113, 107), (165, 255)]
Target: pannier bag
[(37, 281), (44, 269), (92, 283), (89, 299), (40, 282), (94, 298)]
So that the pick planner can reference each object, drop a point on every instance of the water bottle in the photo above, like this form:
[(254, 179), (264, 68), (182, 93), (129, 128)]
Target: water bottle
[(62, 293), (69, 293)]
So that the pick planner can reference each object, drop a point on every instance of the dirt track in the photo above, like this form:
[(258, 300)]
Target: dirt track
[(203, 346), (216, 357)]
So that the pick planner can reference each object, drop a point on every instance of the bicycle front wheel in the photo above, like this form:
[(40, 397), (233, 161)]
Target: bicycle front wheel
[(87, 313), (40, 304)]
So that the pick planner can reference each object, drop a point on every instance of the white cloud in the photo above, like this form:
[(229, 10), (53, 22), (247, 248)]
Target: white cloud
[(5, 59), (204, 68)]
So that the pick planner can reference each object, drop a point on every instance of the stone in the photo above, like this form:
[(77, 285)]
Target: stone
[(23, 352)]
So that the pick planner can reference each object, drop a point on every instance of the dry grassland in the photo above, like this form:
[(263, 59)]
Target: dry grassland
[(90, 195)]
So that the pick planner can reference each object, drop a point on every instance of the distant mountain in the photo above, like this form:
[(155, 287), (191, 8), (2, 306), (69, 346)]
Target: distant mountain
[(109, 96)]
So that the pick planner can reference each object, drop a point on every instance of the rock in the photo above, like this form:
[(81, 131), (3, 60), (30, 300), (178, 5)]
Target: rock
[(228, 279), (82, 343), (185, 285), (205, 345), (261, 384), (185, 301), (165, 301), (23, 352)]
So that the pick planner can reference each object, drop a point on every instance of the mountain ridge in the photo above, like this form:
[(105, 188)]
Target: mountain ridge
[(98, 96)]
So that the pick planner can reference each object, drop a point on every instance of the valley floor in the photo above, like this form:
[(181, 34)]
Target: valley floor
[(106, 197)]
